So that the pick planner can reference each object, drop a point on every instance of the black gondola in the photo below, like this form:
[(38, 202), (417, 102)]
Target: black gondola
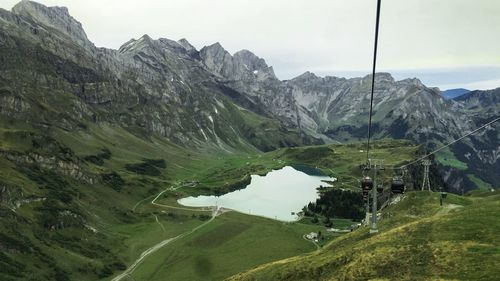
[(398, 185), (380, 189), (365, 196), (365, 192), (367, 183)]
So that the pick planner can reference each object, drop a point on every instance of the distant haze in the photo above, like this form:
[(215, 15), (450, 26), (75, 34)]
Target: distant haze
[(445, 43)]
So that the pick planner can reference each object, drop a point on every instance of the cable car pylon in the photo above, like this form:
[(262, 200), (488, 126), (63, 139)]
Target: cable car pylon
[(426, 185)]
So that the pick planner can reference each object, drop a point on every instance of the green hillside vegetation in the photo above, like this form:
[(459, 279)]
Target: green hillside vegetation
[(447, 158), (418, 240), (480, 183), (88, 214), (232, 243)]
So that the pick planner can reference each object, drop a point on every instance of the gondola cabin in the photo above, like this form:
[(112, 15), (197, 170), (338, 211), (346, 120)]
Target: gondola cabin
[(365, 196), (398, 185), (367, 183)]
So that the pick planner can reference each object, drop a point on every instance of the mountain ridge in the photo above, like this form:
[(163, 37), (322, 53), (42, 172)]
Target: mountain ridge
[(97, 145), (454, 93), (169, 75)]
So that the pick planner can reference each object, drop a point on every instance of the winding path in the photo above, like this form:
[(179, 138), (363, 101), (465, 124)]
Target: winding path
[(175, 207), (215, 212)]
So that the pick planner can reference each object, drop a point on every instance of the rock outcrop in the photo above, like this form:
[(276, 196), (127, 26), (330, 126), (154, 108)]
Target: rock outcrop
[(170, 89)]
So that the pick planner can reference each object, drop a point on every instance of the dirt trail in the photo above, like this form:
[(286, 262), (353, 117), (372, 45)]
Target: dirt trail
[(158, 246), (215, 212), (448, 208)]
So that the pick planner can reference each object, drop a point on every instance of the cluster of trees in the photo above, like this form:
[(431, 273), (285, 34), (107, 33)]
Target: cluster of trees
[(114, 180), (149, 167), (98, 159), (336, 203)]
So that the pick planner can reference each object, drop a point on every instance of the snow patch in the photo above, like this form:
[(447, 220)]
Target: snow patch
[(211, 119), (220, 104), (91, 228), (203, 133), (255, 72)]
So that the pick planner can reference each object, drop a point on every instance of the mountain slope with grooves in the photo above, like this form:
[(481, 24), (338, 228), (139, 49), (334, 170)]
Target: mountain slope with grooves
[(205, 98), (147, 86), (336, 109)]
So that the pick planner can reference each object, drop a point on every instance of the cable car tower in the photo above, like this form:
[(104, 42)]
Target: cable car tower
[(426, 185), (376, 165)]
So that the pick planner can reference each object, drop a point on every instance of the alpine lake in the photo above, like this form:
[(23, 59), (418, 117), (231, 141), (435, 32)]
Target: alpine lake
[(280, 194)]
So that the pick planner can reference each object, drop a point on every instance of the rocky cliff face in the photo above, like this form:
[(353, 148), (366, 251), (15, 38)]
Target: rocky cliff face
[(152, 87), (484, 103), (52, 18), (51, 75), (336, 109)]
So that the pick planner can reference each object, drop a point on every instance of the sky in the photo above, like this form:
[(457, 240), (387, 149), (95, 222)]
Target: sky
[(445, 43)]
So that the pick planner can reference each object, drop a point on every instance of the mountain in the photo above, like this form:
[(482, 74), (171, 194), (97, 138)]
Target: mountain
[(454, 93), (214, 100), (152, 87), (336, 109), (97, 144), (484, 101)]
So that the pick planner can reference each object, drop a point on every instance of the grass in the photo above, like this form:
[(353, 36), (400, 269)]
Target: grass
[(232, 243), (446, 158), (122, 234), (343, 161), (480, 183), (135, 238), (217, 245), (418, 240)]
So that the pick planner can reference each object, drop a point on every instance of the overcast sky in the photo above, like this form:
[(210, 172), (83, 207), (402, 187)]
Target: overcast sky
[(445, 43)]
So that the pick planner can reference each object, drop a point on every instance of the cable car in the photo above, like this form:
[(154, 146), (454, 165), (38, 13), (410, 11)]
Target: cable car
[(398, 185), (367, 183), (380, 188), (365, 196)]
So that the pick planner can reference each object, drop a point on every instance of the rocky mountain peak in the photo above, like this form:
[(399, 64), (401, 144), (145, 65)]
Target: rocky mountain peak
[(255, 64), (171, 44), (54, 17), (252, 61), (214, 49), (185, 43), (306, 76), (136, 44), (418, 83), (217, 59), (380, 77)]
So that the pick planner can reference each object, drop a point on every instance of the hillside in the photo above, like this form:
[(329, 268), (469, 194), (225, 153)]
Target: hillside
[(52, 76), (97, 145), (87, 210), (418, 240)]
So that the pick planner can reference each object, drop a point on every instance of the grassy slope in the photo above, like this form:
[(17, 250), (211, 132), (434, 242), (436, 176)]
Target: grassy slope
[(447, 158), (235, 242), (418, 240), (123, 234), (232, 243)]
